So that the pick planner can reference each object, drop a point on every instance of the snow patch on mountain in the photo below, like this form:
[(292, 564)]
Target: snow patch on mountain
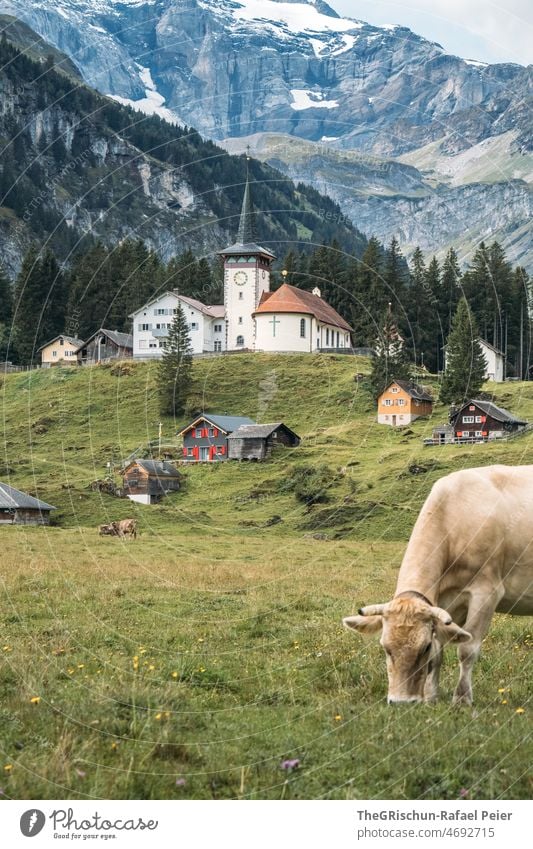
[(152, 102), (305, 99), (294, 18)]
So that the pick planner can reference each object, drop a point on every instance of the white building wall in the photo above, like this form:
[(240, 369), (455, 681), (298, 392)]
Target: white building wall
[(399, 419), (494, 370), (286, 334)]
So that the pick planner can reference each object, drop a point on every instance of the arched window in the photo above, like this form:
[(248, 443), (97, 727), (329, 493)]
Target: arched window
[(240, 340), (302, 328)]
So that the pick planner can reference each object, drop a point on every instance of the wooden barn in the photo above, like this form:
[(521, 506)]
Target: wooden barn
[(105, 345), (18, 508), (205, 439), (479, 420), (147, 481), (256, 441)]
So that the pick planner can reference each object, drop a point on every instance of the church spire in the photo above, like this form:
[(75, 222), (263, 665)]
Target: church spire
[(247, 232)]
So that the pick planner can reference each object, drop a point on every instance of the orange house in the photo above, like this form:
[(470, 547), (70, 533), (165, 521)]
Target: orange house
[(402, 402)]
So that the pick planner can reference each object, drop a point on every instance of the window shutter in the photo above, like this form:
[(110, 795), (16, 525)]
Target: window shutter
[(483, 419), (222, 449), (184, 452), (215, 431), (485, 433), (196, 452), (459, 433)]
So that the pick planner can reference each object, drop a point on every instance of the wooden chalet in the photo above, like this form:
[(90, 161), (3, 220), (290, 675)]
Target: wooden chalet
[(105, 345), (205, 439), (402, 402), (479, 420), (18, 508), (256, 441), (147, 481)]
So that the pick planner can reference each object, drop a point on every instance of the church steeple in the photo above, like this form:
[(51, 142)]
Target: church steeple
[(247, 232)]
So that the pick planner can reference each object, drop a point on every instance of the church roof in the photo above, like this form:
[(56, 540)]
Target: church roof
[(247, 236), (289, 299)]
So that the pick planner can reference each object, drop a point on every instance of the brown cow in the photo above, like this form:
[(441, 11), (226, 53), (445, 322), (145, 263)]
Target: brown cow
[(469, 556), (121, 528), (126, 527)]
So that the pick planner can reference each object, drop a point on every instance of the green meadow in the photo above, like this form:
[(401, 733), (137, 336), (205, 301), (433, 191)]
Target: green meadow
[(206, 659)]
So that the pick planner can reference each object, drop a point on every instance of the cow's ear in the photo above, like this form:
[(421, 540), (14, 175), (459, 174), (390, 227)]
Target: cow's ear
[(364, 624), (451, 633)]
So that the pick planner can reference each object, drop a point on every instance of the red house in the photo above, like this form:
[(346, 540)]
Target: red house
[(205, 439)]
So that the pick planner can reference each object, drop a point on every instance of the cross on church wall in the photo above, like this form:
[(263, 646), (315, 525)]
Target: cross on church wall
[(274, 322)]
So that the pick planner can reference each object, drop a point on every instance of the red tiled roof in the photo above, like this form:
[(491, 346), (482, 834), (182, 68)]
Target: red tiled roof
[(289, 299)]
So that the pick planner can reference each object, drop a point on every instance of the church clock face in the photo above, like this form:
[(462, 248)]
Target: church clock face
[(241, 278)]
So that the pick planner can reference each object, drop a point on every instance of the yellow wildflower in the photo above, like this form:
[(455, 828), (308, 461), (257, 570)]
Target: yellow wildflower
[(158, 716), (8, 767), (504, 701), (519, 710), (337, 717), (114, 745), (35, 700), (151, 667), (174, 674)]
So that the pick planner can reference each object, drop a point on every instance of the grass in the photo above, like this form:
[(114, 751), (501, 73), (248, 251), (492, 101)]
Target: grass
[(210, 651)]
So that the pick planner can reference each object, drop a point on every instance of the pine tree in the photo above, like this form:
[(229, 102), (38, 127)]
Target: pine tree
[(465, 363), (6, 315), (390, 362), (423, 314), (175, 367), (370, 297)]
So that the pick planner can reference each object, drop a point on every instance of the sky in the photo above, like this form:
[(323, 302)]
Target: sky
[(474, 29)]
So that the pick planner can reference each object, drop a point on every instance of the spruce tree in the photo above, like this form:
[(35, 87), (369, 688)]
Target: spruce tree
[(174, 371), (6, 315), (391, 361), (465, 363), (423, 315), (28, 306)]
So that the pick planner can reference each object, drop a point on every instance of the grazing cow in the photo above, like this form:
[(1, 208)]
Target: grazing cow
[(470, 555), (122, 528), (126, 527), (110, 530)]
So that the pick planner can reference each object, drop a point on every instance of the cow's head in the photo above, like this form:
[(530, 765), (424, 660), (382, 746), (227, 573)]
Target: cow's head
[(411, 630)]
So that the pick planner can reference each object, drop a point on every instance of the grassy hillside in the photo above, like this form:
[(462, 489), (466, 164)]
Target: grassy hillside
[(211, 649)]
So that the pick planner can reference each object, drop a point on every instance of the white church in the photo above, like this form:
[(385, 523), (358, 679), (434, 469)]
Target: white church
[(252, 317)]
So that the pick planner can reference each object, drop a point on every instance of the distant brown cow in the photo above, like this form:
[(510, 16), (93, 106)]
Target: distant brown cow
[(126, 527), (122, 528), (110, 530)]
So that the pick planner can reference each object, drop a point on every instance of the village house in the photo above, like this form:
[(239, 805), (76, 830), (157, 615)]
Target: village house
[(147, 481), (205, 439), (495, 361), (104, 345), (18, 508), (207, 330), (402, 402), (61, 350), (256, 441), (479, 420)]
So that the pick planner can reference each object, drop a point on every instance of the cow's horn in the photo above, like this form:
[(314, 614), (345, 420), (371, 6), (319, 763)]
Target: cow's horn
[(441, 614), (372, 610)]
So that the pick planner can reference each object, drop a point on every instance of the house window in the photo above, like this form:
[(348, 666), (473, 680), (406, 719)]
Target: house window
[(152, 344), (387, 402), (401, 402), (194, 325), (61, 342), (468, 419), (54, 353), (198, 433), (395, 389), (479, 419), (241, 296), (145, 326), (218, 328), (240, 340), (190, 452), (160, 312), (240, 319), (302, 328), (218, 346), (327, 336), (479, 433)]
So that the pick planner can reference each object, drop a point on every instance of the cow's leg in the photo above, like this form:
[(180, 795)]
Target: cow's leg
[(431, 688), (480, 612)]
